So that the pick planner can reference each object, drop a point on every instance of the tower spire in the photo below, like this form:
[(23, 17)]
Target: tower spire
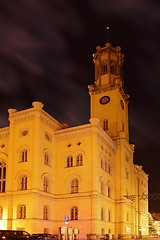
[(107, 33)]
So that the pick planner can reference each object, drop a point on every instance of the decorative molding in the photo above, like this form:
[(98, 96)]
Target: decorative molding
[(71, 133)]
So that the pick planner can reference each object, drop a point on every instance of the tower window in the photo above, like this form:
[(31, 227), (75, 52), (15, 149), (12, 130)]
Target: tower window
[(112, 67), (24, 183), (105, 124), (47, 158), (2, 177), (46, 184), (24, 156), (104, 70)]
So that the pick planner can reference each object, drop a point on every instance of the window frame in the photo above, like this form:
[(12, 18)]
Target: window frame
[(74, 213)]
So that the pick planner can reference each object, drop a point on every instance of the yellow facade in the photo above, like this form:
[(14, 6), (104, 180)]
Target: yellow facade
[(85, 173)]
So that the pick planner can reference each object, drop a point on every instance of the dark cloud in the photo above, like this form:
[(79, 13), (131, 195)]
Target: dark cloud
[(46, 49)]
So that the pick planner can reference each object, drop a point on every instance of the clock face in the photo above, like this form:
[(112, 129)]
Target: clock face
[(122, 104), (104, 100)]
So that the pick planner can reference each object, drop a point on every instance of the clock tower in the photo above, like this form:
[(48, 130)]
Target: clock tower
[(109, 102)]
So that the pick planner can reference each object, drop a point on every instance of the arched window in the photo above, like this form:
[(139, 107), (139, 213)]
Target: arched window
[(101, 163), (2, 177), (70, 161), (105, 124), (104, 68), (109, 168), (24, 183), (102, 214), (1, 212), (45, 212), (108, 190), (79, 160), (106, 165), (74, 186), (45, 184), (109, 215), (21, 211), (102, 188), (74, 213), (112, 67), (46, 158), (24, 155)]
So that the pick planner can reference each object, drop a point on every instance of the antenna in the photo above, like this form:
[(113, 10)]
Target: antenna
[(107, 34)]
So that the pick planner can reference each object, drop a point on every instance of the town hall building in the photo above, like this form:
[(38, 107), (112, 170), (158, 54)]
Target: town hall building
[(76, 182)]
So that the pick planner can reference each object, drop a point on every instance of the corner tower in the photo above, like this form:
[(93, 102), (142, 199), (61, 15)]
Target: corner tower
[(109, 102)]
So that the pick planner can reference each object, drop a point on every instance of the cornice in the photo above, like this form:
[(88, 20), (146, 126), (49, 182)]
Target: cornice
[(31, 114), (4, 133), (93, 89), (74, 132)]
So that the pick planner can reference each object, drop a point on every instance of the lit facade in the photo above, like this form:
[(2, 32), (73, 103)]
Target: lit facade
[(49, 171)]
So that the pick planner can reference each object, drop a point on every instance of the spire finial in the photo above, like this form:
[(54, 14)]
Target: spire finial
[(107, 33)]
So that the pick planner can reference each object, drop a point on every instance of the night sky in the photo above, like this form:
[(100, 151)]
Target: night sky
[(46, 49)]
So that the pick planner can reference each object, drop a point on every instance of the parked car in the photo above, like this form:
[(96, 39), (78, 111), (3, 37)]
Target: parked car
[(14, 235), (42, 236)]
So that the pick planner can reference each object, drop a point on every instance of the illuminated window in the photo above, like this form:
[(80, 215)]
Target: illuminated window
[(45, 184), (74, 186), (79, 160), (102, 214), (74, 213), (21, 212), (24, 155), (45, 212), (69, 161), (2, 177), (1, 212), (24, 183)]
